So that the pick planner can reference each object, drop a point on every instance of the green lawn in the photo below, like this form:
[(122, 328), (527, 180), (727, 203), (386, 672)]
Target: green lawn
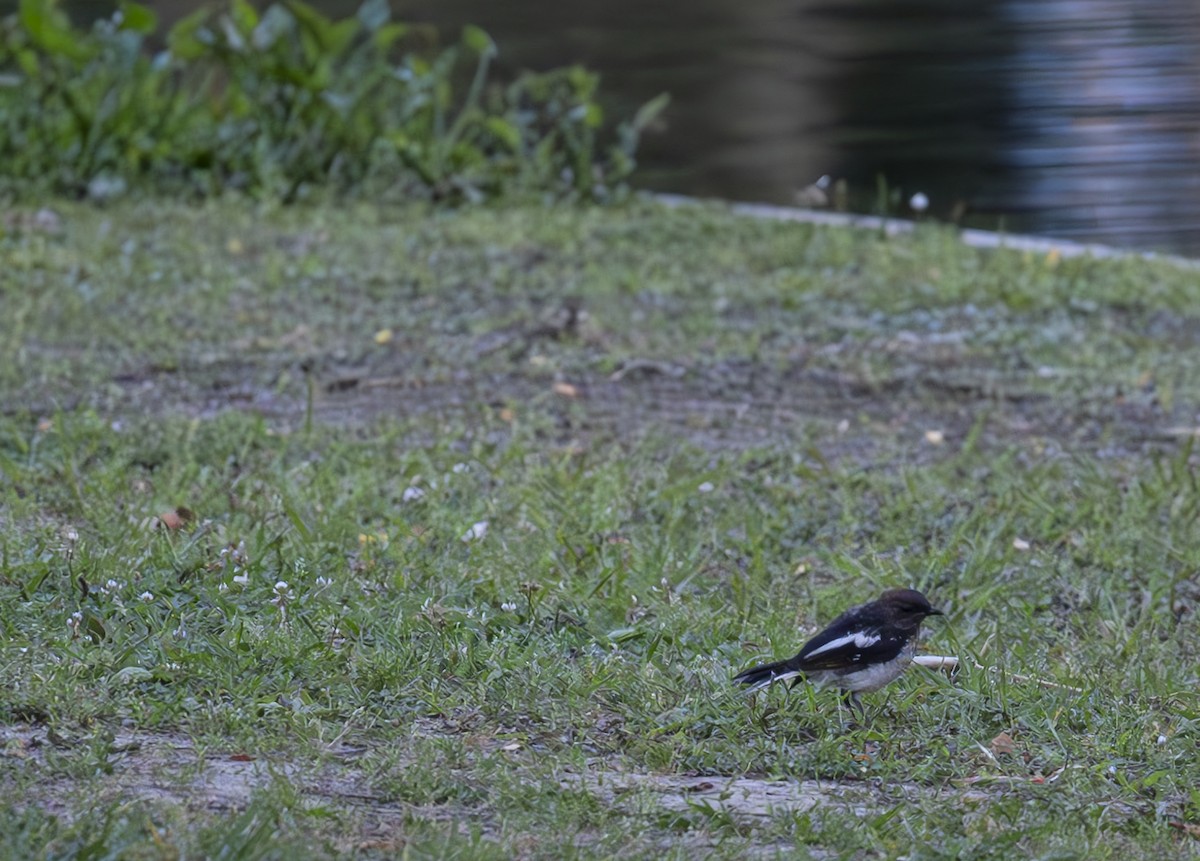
[(387, 532)]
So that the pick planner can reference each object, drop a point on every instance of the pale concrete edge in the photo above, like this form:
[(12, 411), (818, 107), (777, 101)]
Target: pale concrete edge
[(894, 226)]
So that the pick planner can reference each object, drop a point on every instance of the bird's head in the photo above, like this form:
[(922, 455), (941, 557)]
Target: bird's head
[(908, 607)]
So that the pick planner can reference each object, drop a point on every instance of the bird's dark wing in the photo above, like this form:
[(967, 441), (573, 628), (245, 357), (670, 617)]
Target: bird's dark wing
[(839, 648)]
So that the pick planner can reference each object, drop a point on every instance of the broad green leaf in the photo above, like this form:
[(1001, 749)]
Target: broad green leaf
[(389, 33), (505, 131), (477, 39), (593, 116), (49, 29), (138, 18), (340, 36), (181, 38), (312, 21), (583, 82), (244, 17), (28, 61), (650, 111)]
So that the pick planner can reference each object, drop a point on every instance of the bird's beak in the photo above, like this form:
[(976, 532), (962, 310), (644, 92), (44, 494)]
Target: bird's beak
[(933, 611)]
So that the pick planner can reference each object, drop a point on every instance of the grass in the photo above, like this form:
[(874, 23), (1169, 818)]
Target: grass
[(407, 531)]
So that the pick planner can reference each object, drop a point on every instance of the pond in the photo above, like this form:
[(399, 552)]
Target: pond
[(1071, 118)]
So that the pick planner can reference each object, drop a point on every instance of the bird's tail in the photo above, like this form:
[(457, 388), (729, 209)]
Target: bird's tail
[(765, 674)]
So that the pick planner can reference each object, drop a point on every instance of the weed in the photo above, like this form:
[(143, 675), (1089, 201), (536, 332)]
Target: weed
[(289, 101)]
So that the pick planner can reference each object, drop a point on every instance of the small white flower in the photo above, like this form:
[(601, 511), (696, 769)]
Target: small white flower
[(411, 494), (112, 586), (706, 487), (476, 532), (72, 536), (283, 594), (919, 202), (1020, 544), (508, 606), (74, 621), (147, 597), (241, 579), (460, 468), (323, 581)]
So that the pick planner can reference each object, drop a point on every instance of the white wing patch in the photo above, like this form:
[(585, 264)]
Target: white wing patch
[(860, 639)]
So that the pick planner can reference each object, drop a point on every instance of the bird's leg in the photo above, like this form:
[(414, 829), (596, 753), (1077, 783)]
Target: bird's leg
[(854, 704)]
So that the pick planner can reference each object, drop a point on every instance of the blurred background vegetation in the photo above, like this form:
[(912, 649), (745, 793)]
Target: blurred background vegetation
[(284, 100), (1068, 118)]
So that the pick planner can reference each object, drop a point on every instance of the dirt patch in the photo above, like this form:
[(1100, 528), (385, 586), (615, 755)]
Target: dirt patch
[(719, 405), (744, 798), (168, 768)]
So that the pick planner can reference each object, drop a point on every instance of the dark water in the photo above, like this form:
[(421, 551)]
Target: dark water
[(1073, 118)]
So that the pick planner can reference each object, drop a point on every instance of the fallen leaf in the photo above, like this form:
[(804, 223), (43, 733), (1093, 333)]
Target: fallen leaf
[(1191, 829), (176, 517), (1020, 544), (699, 787), (241, 757), (935, 437), (511, 746), (508, 415), (1003, 744), (566, 390), (15, 748), (383, 336)]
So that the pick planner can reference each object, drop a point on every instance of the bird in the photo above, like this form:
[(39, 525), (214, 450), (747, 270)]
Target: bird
[(865, 648)]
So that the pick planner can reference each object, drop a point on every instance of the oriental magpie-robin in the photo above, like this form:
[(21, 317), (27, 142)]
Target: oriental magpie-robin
[(863, 649)]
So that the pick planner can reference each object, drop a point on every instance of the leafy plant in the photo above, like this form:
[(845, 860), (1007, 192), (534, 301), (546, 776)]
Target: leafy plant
[(282, 101)]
